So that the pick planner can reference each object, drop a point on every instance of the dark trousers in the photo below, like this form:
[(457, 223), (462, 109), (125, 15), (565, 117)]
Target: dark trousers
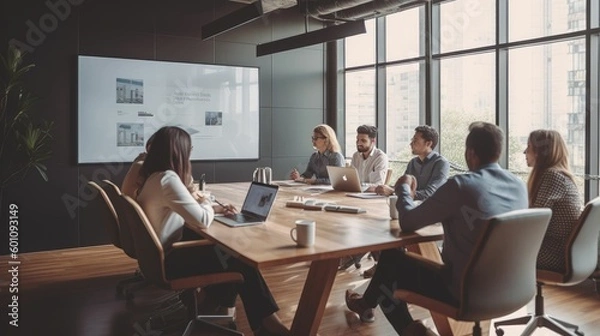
[(395, 270), (255, 294)]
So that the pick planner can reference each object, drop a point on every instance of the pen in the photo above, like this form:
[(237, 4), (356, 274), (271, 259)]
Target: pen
[(219, 203)]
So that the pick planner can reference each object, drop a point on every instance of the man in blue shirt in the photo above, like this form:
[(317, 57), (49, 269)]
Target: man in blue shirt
[(461, 205), (428, 167)]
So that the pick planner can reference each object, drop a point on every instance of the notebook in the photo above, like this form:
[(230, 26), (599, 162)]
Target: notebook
[(345, 179), (256, 208)]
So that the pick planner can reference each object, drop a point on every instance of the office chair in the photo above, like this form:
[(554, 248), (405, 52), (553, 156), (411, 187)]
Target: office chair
[(136, 281), (596, 275), (499, 277), (108, 192), (388, 176), (581, 257), (151, 258)]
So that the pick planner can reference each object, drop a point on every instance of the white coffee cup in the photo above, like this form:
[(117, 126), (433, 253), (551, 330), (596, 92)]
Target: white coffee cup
[(391, 201), (304, 233)]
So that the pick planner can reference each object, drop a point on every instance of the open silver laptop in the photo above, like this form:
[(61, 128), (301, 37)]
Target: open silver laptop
[(256, 208), (345, 179)]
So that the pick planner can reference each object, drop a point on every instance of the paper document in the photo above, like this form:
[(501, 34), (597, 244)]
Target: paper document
[(365, 195), (290, 183)]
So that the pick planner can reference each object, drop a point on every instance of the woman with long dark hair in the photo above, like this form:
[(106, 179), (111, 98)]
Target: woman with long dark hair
[(551, 185), (169, 204)]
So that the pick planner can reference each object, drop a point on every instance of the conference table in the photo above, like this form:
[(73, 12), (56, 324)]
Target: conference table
[(337, 235)]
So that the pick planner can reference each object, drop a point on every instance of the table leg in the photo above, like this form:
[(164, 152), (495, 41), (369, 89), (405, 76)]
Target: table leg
[(315, 294)]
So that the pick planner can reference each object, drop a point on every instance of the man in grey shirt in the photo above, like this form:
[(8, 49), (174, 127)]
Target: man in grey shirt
[(461, 205), (428, 167)]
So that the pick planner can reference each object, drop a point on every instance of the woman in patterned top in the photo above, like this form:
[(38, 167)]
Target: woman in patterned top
[(551, 185)]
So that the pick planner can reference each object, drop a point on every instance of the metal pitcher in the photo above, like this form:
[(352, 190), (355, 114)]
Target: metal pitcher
[(262, 175)]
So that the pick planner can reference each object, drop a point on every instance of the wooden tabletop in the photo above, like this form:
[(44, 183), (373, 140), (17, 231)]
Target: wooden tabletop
[(337, 234)]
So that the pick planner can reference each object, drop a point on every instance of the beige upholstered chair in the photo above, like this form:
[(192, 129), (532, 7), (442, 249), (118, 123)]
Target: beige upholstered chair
[(108, 215), (129, 286), (581, 256), (388, 176), (500, 275), (151, 257)]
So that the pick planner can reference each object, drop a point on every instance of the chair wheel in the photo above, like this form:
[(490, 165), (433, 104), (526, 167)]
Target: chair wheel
[(499, 332)]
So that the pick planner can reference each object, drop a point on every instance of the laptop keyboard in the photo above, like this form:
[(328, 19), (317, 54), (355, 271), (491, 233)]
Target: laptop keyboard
[(239, 217)]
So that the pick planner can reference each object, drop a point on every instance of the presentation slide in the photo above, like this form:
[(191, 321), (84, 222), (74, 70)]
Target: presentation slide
[(122, 102)]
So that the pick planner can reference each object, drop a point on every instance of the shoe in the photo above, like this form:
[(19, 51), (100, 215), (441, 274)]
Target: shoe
[(416, 328), (370, 272), (355, 303), (345, 263)]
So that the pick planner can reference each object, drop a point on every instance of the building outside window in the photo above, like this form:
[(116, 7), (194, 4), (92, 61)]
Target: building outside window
[(530, 74)]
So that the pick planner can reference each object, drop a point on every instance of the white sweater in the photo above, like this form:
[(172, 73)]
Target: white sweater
[(168, 205)]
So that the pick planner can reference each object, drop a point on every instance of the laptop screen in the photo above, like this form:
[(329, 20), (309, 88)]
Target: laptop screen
[(259, 199)]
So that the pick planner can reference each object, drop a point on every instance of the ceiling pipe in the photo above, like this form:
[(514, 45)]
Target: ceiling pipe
[(324, 7), (371, 9)]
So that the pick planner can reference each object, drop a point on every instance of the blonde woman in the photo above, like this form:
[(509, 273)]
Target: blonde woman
[(551, 185), (328, 153)]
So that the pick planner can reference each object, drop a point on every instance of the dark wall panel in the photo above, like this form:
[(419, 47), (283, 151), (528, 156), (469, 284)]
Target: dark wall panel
[(58, 214)]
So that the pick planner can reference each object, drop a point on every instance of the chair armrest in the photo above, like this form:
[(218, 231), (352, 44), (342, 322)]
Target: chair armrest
[(191, 243), (434, 265), (427, 303)]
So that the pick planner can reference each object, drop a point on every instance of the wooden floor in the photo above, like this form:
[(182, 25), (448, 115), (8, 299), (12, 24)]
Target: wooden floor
[(72, 292)]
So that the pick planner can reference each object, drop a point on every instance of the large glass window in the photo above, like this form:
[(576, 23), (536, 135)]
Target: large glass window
[(360, 49), (547, 91), (403, 90), (360, 104), (402, 34), (475, 73), (467, 24), (467, 94), (539, 18)]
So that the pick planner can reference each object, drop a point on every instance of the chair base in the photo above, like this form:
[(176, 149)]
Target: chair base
[(542, 321), (596, 277), (348, 261), (213, 328), (126, 287)]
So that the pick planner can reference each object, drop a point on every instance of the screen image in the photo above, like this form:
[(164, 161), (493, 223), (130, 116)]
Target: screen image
[(122, 102), (259, 199)]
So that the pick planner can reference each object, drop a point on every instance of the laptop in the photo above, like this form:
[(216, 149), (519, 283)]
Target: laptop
[(345, 179), (256, 208)]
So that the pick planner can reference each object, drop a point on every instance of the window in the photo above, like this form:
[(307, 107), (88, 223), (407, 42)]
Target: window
[(360, 104), (467, 94), (403, 91), (540, 78), (474, 72), (466, 24), (402, 34), (360, 49), (539, 18)]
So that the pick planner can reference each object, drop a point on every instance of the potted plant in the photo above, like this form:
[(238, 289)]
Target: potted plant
[(24, 139)]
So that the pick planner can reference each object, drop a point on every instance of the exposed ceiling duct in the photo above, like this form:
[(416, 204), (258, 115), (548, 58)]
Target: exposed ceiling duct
[(324, 7), (370, 9), (327, 34), (335, 12)]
